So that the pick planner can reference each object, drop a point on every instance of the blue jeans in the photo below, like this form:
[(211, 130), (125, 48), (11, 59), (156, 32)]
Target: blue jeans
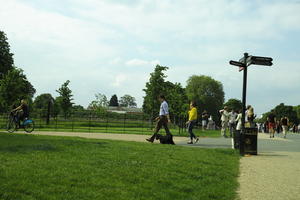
[(190, 129)]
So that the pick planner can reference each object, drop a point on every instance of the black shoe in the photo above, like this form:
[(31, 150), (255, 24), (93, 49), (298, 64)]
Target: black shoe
[(197, 140), (190, 142), (149, 140)]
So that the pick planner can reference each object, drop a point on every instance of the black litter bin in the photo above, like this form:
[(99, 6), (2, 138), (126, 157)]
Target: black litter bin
[(250, 141)]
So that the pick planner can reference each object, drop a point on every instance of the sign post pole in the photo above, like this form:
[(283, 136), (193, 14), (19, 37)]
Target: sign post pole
[(242, 141)]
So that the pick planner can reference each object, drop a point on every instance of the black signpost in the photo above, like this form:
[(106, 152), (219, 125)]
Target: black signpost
[(243, 64)]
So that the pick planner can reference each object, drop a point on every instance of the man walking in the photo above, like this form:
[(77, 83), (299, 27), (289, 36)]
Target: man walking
[(162, 119), (205, 117), (272, 124), (232, 122), (224, 119), (284, 123)]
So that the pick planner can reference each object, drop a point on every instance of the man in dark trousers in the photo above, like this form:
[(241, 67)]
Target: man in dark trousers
[(162, 120)]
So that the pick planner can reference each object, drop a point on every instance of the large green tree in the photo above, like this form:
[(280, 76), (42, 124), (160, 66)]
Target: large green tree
[(6, 57), (42, 102), (114, 101), (99, 104), (65, 98), (174, 93), (234, 104), (207, 93), (154, 87), (280, 111), (14, 86), (127, 101)]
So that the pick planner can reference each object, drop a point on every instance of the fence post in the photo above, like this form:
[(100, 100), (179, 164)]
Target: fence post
[(124, 123), (72, 118), (90, 116), (106, 121)]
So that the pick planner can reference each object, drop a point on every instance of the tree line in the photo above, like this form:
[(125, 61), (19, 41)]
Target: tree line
[(206, 92)]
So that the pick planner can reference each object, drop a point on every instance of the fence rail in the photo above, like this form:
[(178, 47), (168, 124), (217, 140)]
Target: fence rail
[(102, 123)]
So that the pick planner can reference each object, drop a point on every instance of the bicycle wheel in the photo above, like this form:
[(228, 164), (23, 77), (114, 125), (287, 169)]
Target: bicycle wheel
[(29, 126), (11, 125)]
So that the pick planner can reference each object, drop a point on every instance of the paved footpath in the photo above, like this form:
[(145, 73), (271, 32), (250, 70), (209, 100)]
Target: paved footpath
[(274, 174)]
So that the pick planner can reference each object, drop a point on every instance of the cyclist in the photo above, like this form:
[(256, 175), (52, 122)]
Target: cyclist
[(22, 111)]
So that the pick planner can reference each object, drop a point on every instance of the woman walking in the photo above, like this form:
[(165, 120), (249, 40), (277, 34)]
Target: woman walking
[(192, 122)]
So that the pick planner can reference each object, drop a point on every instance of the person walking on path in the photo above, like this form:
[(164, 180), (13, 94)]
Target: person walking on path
[(232, 122), (272, 124), (205, 117), (191, 122), (284, 122), (162, 120), (224, 119)]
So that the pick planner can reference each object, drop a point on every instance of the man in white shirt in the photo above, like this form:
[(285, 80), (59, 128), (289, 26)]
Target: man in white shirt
[(162, 119), (232, 117), (224, 119)]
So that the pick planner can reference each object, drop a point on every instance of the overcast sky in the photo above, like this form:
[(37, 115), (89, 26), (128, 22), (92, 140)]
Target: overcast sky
[(111, 46)]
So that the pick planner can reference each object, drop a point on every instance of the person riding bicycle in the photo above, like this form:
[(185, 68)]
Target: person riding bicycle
[(22, 111)]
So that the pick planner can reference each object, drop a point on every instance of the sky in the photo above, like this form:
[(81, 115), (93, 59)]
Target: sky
[(111, 46)]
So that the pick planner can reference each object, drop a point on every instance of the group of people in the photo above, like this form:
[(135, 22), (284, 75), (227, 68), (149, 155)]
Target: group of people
[(273, 125), (232, 120)]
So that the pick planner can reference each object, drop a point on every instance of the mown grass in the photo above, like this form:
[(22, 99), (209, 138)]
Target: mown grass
[(45, 167)]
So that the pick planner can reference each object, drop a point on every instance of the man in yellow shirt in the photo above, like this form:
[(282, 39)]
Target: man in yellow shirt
[(192, 122)]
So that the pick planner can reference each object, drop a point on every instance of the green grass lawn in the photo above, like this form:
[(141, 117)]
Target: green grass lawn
[(45, 167)]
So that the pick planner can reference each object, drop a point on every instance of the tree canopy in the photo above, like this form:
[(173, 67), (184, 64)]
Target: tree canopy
[(65, 98), (114, 101), (127, 101), (6, 57), (234, 104), (207, 93), (14, 86)]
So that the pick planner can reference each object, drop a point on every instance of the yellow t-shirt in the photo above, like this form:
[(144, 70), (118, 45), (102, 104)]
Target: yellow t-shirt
[(193, 114)]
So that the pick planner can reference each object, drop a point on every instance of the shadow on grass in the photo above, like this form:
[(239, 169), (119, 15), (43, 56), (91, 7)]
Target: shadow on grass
[(28, 148)]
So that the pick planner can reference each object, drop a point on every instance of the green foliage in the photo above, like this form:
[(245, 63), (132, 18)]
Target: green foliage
[(65, 99), (297, 110), (114, 101), (177, 99), (42, 102), (127, 101), (44, 167), (154, 87), (282, 110), (99, 104), (14, 86), (6, 58), (207, 93), (234, 104), (174, 93)]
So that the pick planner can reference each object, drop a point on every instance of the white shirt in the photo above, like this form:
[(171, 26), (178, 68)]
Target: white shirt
[(239, 120), (225, 115), (164, 109), (232, 117)]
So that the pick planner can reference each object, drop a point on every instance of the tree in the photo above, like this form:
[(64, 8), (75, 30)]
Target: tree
[(65, 98), (234, 104), (6, 58), (14, 86), (127, 101), (207, 93), (280, 111), (42, 101), (297, 110), (154, 87), (100, 104), (114, 101)]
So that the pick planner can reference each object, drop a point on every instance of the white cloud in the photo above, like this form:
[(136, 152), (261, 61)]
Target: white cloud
[(111, 47), (139, 62)]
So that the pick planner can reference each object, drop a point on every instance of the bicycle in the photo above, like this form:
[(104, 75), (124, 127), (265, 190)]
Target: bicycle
[(12, 124)]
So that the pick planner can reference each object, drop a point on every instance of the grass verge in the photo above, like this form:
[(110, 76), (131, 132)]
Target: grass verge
[(45, 167)]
